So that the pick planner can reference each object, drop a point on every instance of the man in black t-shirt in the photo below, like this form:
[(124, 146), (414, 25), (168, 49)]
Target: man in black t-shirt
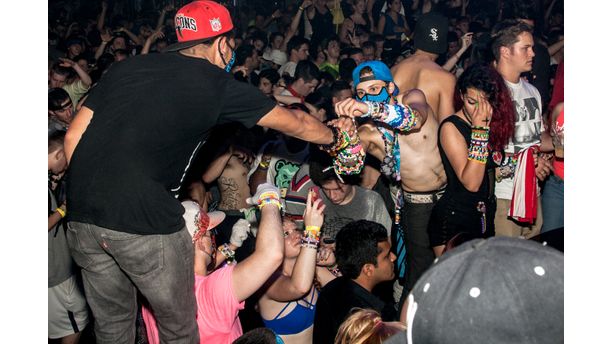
[(363, 254), (127, 163)]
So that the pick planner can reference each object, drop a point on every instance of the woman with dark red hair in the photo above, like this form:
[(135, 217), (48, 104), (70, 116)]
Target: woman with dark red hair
[(483, 124)]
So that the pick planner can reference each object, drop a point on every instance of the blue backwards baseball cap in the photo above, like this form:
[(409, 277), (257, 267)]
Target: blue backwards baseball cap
[(380, 71)]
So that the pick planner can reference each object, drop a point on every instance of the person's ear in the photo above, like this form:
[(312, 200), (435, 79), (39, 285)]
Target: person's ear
[(367, 269), (392, 87), (504, 51)]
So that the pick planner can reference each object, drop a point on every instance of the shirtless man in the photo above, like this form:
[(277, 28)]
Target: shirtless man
[(420, 171), (229, 169), (421, 71)]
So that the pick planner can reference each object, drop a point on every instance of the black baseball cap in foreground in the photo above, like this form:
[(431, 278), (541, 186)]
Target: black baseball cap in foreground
[(497, 290)]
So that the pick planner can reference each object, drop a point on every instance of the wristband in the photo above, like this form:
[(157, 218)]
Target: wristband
[(478, 150), (264, 164), (301, 8), (229, 254), (61, 212), (312, 232), (397, 116), (310, 242)]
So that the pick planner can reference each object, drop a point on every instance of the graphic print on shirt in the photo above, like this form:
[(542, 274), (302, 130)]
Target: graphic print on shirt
[(283, 172), (528, 122)]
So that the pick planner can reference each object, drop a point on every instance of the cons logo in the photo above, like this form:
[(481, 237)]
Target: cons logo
[(185, 23)]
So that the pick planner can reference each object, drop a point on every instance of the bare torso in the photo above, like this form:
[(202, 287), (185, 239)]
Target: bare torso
[(421, 168), (233, 185), (419, 71)]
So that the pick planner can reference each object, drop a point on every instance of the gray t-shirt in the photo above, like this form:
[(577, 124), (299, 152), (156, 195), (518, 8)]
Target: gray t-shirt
[(365, 205), (61, 266)]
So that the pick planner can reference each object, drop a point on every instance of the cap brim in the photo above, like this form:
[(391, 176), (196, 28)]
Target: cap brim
[(187, 44), (216, 217)]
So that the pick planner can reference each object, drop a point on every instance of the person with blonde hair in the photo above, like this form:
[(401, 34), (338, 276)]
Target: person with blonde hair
[(365, 326)]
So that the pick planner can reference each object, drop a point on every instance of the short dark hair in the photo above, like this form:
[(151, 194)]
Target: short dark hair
[(260, 335), (346, 67), (56, 140), (243, 52), (295, 43), (270, 74), (56, 68), (505, 34), (368, 44), (319, 167), (357, 245), (306, 70), (57, 96), (339, 86)]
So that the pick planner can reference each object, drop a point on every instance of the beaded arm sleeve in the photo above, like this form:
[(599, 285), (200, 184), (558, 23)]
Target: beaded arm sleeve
[(398, 116)]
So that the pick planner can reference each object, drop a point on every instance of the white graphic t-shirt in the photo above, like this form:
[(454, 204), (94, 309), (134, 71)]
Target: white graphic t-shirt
[(527, 126)]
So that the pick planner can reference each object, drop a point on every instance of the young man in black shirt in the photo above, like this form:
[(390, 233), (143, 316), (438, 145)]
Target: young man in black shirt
[(127, 163), (363, 253)]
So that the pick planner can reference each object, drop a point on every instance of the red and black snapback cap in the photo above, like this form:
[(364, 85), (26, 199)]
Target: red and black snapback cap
[(198, 22)]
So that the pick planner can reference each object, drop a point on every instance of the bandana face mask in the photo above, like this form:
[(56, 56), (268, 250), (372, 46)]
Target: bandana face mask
[(382, 97), (230, 64)]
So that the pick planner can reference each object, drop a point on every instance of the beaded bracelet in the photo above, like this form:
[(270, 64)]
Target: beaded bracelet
[(478, 150), (398, 116), (312, 232), (267, 201), (229, 254), (310, 242), (340, 141)]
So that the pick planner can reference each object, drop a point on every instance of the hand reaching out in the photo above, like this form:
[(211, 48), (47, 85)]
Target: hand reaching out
[(351, 107), (313, 214)]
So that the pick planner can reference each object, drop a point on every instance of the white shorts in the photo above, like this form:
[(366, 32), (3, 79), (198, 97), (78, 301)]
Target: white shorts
[(68, 312)]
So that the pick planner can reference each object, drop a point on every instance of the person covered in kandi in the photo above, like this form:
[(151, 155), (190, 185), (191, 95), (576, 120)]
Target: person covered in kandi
[(289, 298), (221, 288), (484, 123)]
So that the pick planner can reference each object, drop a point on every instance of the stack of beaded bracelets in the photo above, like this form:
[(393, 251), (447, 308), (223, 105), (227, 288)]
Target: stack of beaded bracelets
[(311, 237), (269, 198), (229, 254), (350, 160), (396, 116), (341, 140), (478, 150), (347, 152)]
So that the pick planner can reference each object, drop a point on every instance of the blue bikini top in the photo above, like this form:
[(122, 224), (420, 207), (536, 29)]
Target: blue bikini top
[(299, 319)]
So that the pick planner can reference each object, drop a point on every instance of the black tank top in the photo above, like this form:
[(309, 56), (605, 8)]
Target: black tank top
[(454, 187), (322, 26)]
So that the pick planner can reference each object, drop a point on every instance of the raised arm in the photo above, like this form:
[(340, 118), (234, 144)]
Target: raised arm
[(85, 78), (467, 161), (286, 288), (105, 37), (398, 116), (466, 41), (102, 16), (250, 274), (295, 22), (162, 15), (132, 36), (298, 124), (157, 34)]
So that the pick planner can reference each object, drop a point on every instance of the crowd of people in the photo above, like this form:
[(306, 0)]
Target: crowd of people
[(305, 171)]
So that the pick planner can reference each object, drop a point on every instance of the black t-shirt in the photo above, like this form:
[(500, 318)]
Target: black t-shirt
[(151, 115), (335, 303)]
